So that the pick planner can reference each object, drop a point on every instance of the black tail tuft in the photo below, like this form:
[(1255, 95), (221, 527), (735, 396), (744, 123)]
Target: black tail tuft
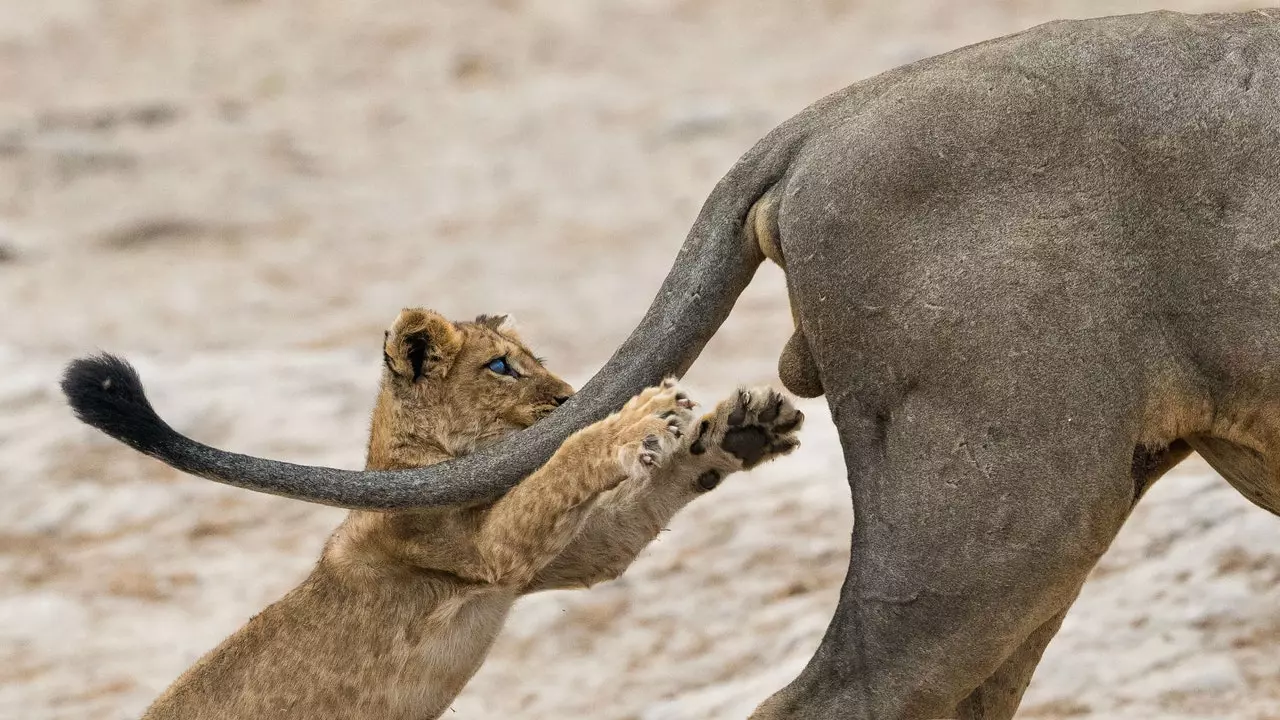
[(106, 392)]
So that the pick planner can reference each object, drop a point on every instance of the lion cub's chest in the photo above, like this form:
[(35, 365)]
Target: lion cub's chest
[(455, 639)]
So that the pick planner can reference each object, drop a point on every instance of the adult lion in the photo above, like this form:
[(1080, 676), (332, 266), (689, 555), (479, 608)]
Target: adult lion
[(1031, 275)]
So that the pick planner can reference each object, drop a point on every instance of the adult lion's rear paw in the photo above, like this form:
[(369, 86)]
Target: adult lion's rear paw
[(754, 426), (650, 426)]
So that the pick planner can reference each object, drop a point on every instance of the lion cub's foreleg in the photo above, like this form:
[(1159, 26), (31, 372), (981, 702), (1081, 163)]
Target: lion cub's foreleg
[(751, 427), (529, 526)]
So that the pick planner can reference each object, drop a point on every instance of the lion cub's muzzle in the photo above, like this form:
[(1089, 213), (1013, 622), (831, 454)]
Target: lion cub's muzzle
[(546, 409)]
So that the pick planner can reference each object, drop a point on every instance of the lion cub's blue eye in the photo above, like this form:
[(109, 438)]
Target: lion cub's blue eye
[(500, 366)]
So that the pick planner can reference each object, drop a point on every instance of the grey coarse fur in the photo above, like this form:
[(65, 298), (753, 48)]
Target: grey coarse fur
[(1032, 275)]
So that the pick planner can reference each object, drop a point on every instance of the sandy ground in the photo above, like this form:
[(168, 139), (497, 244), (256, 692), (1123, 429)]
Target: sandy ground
[(239, 195)]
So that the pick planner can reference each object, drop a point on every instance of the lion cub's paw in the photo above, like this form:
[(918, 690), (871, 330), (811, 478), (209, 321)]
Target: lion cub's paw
[(650, 427), (754, 426)]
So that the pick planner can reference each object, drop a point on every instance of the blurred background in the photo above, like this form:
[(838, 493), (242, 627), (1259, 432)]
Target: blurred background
[(239, 195)]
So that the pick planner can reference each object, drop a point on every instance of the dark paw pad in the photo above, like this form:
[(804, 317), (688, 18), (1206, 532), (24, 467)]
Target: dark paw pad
[(709, 480), (749, 444)]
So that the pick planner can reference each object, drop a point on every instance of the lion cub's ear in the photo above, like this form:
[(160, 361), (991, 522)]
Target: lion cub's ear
[(419, 343), (496, 322)]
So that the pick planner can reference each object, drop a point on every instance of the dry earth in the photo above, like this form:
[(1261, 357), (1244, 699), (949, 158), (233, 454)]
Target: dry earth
[(239, 194)]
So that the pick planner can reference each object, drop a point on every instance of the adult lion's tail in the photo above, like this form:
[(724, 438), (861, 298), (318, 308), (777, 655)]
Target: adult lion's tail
[(105, 391), (717, 261)]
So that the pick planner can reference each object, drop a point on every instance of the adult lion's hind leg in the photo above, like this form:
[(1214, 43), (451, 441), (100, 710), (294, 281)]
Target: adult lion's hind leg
[(967, 543), (999, 696)]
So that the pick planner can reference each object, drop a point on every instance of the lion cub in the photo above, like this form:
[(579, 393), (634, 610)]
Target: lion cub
[(402, 607)]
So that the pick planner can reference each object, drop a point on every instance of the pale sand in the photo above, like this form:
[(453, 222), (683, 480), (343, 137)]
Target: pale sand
[(239, 195)]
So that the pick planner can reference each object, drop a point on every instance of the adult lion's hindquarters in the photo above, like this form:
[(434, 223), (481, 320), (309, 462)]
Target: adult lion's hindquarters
[(1020, 266)]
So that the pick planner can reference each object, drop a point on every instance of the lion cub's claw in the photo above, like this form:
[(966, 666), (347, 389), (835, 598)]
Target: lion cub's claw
[(651, 450), (651, 425)]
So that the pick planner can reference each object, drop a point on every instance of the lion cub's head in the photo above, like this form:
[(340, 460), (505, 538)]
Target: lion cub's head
[(449, 388)]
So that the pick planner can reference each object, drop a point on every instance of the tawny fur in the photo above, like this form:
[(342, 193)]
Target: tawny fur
[(403, 607)]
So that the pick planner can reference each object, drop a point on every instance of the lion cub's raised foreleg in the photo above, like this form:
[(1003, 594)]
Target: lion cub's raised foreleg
[(532, 524), (752, 427)]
